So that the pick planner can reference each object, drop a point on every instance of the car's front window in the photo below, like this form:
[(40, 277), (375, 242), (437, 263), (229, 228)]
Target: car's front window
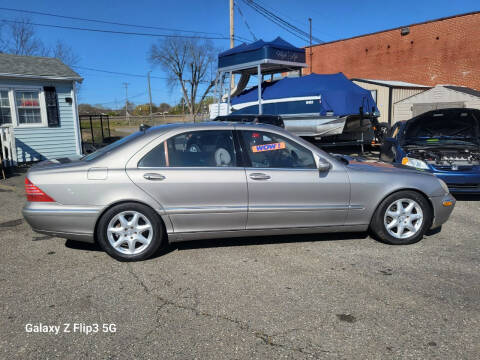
[(269, 150), (207, 148)]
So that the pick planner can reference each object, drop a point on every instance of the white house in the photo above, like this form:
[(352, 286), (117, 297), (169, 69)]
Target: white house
[(38, 109), (439, 97)]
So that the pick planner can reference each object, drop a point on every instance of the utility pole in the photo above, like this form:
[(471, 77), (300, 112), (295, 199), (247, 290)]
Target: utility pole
[(311, 51), (232, 39), (150, 94), (126, 101)]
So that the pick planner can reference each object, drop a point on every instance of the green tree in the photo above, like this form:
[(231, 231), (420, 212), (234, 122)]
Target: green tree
[(163, 107), (142, 109)]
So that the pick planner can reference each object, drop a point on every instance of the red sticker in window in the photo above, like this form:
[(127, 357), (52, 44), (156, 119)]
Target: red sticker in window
[(268, 147)]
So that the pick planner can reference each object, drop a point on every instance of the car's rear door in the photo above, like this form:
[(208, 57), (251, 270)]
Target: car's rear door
[(195, 177), (285, 187)]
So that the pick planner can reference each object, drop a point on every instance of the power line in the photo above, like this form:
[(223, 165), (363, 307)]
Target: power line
[(283, 13), (294, 30), (269, 17), (118, 73), (128, 74), (245, 21), (121, 32), (105, 21), (122, 99), (108, 22)]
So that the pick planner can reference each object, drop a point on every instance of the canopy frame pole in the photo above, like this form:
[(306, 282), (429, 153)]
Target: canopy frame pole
[(259, 75), (215, 93), (221, 92), (229, 91)]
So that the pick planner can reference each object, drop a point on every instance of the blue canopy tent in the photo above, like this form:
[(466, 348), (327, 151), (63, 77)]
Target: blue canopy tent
[(338, 96), (277, 53), (260, 58)]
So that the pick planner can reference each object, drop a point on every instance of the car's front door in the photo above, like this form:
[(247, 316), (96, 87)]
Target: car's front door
[(285, 186), (194, 176)]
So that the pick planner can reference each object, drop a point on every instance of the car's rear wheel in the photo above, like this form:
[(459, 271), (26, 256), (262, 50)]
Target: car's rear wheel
[(130, 232), (402, 218)]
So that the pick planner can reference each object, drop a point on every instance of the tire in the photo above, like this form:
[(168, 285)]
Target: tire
[(130, 232), (413, 221)]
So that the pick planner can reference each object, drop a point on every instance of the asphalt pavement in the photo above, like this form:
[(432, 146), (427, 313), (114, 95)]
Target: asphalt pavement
[(342, 296)]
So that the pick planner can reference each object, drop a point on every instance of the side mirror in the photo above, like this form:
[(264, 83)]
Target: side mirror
[(323, 165)]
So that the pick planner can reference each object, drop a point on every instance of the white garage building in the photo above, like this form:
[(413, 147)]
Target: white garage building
[(439, 97), (387, 92)]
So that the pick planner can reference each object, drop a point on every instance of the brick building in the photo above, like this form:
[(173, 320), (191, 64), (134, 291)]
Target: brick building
[(442, 51)]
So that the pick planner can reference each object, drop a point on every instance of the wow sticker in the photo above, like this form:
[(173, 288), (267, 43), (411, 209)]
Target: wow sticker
[(268, 147)]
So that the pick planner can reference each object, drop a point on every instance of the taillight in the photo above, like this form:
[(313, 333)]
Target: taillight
[(34, 193)]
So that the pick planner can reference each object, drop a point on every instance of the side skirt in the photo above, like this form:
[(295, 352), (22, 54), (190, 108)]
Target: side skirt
[(177, 237)]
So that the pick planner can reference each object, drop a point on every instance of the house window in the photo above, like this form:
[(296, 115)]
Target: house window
[(28, 107), (5, 114)]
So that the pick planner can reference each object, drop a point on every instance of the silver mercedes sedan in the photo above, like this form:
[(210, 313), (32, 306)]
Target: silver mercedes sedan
[(214, 180)]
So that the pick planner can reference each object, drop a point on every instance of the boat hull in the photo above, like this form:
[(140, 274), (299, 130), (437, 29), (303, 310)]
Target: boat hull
[(313, 124)]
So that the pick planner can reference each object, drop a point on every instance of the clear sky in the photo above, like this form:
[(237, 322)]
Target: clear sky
[(126, 53)]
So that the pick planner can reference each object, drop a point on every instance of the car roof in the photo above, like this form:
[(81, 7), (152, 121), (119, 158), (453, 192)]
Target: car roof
[(210, 124)]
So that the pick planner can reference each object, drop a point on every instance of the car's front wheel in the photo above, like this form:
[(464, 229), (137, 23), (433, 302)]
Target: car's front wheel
[(402, 218), (130, 232)]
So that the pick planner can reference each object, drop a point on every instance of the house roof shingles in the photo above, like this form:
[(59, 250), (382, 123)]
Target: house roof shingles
[(35, 67)]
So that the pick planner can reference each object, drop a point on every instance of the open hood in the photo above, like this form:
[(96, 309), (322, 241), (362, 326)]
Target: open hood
[(447, 138), (445, 127)]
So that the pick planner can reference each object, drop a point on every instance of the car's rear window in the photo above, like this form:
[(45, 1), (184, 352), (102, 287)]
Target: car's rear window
[(112, 146)]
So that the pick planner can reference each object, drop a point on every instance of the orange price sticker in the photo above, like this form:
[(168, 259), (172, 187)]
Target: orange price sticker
[(268, 147)]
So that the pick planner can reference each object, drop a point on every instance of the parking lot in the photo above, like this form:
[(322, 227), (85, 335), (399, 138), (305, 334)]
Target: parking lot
[(317, 296)]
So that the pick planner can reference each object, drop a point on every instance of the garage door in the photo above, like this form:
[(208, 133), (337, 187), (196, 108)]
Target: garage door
[(418, 109)]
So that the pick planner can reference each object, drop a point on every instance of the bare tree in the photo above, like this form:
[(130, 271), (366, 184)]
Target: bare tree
[(187, 63), (65, 53), (19, 38)]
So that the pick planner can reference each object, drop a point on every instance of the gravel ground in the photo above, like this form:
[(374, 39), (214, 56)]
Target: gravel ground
[(318, 296)]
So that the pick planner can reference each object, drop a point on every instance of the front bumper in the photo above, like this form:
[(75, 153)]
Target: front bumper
[(467, 181), (69, 222), (441, 212)]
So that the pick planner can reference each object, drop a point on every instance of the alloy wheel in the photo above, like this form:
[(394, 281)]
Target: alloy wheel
[(403, 218), (130, 232)]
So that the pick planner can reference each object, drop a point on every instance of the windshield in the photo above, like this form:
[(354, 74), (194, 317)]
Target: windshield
[(111, 146), (445, 127)]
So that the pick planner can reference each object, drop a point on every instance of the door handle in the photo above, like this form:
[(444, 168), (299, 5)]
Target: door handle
[(259, 176), (154, 176)]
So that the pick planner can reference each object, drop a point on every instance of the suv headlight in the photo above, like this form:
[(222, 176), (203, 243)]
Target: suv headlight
[(419, 164), (444, 186)]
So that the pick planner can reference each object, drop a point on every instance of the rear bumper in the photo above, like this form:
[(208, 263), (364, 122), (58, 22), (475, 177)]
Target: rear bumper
[(70, 222), (440, 211)]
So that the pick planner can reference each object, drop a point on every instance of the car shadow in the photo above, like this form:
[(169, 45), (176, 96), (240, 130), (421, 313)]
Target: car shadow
[(230, 242), (80, 245), (266, 240)]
